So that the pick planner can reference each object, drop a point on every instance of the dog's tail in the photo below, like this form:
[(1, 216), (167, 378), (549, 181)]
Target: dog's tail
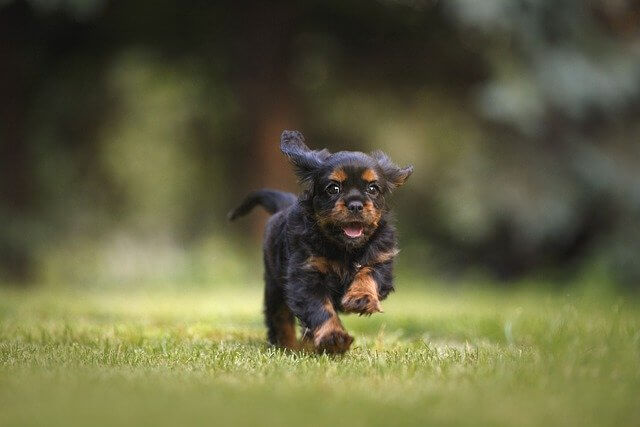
[(271, 200)]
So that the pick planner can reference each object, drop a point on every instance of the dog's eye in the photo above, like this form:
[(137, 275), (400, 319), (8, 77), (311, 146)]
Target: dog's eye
[(333, 189), (373, 189)]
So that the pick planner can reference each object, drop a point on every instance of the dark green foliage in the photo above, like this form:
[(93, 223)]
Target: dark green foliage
[(125, 124)]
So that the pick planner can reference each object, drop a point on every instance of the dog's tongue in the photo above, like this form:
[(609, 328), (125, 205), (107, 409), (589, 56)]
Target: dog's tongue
[(353, 231)]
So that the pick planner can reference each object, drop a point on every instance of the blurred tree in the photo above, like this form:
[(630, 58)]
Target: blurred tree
[(150, 119)]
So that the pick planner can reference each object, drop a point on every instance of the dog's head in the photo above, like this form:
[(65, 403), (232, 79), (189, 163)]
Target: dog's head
[(347, 189)]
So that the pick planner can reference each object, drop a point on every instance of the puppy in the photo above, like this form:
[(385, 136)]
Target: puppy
[(331, 250)]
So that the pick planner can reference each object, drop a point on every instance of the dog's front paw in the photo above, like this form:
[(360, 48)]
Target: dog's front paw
[(335, 342), (361, 302)]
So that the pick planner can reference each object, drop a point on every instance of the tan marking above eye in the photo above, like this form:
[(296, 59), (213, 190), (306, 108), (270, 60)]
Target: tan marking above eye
[(369, 175), (338, 175)]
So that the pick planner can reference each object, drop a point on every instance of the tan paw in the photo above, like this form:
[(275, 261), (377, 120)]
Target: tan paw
[(334, 342), (362, 303)]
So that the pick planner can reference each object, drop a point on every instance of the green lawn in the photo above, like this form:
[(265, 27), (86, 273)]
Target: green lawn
[(464, 357)]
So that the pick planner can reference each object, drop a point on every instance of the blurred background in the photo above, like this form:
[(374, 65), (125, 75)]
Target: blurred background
[(129, 128)]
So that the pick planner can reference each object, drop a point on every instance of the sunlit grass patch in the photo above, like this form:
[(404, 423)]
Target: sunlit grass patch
[(463, 357)]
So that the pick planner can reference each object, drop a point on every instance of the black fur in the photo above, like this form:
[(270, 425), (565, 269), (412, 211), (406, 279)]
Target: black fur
[(272, 200), (312, 264)]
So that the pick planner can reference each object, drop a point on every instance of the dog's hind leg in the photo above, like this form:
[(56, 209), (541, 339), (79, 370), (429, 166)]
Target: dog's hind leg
[(281, 327)]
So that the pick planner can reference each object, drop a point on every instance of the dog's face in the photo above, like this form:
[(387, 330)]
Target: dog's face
[(349, 197), (347, 188)]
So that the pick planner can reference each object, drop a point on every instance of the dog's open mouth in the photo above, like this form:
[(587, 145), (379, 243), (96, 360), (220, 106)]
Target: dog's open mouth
[(353, 230)]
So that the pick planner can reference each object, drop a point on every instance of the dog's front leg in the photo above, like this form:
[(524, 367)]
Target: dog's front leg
[(362, 296), (383, 276), (315, 310)]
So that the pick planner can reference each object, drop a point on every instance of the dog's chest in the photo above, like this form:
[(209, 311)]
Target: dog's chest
[(340, 277)]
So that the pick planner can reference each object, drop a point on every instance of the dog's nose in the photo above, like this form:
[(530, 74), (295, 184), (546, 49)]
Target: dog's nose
[(355, 206)]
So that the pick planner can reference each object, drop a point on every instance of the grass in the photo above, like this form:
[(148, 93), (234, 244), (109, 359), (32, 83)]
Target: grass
[(462, 357)]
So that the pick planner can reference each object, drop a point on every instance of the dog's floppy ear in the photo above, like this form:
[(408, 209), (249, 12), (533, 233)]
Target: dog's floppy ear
[(305, 161), (395, 175)]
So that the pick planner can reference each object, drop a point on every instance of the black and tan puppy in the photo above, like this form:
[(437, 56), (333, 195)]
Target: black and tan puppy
[(332, 249)]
